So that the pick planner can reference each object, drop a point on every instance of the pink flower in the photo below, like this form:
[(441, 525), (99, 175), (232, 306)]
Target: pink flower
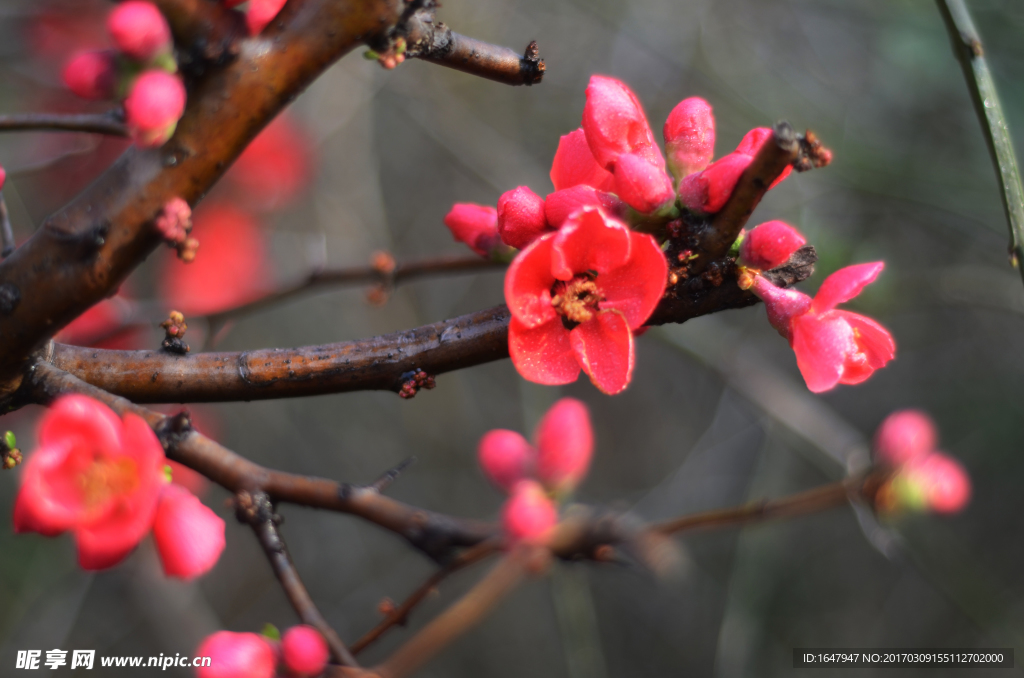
[(92, 75), (521, 217), (275, 167), (831, 346), (261, 13), (189, 536), (475, 225), (139, 30), (575, 297), (770, 244), (574, 165), (708, 191), (236, 655), (304, 650), (92, 474), (564, 444), (904, 436), (153, 107), (528, 515), (505, 457), (617, 132), (689, 137)]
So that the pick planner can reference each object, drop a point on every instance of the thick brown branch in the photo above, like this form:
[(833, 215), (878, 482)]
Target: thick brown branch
[(430, 40), (382, 363), (433, 533), (82, 253), (7, 243), (204, 30), (111, 123), (257, 510)]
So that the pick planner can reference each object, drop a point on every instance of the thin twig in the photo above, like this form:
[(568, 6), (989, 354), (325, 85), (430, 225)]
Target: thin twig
[(257, 510), (7, 243), (400, 615), (389, 476), (971, 55), (111, 123)]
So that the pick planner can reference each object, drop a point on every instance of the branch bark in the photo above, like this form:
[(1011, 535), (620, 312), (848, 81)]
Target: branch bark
[(204, 30), (110, 123)]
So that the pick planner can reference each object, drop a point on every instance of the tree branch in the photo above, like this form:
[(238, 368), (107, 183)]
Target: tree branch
[(204, 30), (969, 52), (380, 363), (111, 122), (257, 510), (7, 243)]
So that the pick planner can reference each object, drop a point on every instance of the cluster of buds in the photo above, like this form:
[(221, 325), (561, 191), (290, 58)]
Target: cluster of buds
[(302, 652), (9, 451), (174, 223), (538, 476), (391, 58), (174, 332), (141, 71), (412, 382), (921, 478)]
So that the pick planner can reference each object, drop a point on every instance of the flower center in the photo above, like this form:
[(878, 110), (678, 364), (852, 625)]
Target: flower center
[(577, 299), (106, 478)]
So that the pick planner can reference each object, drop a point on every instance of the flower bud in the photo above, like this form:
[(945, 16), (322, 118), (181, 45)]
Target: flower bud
[(189, 536), (753, 141), (904, 436), (474, 225), (174, 221), (139, 30), (528, 515), (689, 137), (261, 13), (565, 443), (236, 655), (934, 482), (560, 205), (770, 244), (615, 124), (92, 75), (3, 176), (707, 191), (521, 217), (641, 185), (304, 650), (505, 457), (153, 107)]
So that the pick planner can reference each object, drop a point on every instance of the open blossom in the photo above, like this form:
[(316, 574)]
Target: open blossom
[(102, 478), (923, 478), (153, 107), (831, 346), (770, 244), (236, 655), (304, 650), (576, 295)]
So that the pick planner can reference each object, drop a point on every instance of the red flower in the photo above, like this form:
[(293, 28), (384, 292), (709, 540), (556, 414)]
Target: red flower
[(475, 225), (236, 655), (153, 107), (139, 30), (576, 295), (275, 167), (770, 244), (189, 536), (230, 268), (304, 650), (831, 346), (92, 474)]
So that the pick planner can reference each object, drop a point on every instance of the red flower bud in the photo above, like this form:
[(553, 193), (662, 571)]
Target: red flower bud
[(475, 225), (236, 655), (565, 443), (904, 436), (528, 515), (770, 244), (92, 75), (641, 185), (139, 30), (689, 137), (153, 107), (521, 217), (940, 481), (304, 650), (753, 141), (615, 124), (189, 536), (261, 13), (3, 177), (505, 457), (709, 190)]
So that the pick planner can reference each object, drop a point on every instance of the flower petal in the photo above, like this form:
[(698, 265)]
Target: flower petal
[(189, 536), (528, 283), (543, 354), (822, 345), (604, 348), (845, 284), (107, 542), (574, 164), (708, 191), (561, 205), (589, 241), (80, 417), (875, 347), (635, 288)]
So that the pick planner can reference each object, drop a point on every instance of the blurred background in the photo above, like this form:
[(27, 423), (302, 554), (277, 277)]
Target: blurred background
[(717, 413)]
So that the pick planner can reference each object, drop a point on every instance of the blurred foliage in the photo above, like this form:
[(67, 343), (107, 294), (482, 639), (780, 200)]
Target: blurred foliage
[(911, 184)]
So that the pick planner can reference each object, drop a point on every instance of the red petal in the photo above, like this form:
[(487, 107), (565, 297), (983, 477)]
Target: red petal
[(49, 501), (107, 542), (708, 191), (574, 164), (28, 517), (822, 345), (604, 347), (189, 536), (641, 185), (543, 354), (753, 141), (589, 241), (635, 288), (614, 123), (845, 284), (875, 347), (565, 443), (561, 205), (78, 417), (528, 284)]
